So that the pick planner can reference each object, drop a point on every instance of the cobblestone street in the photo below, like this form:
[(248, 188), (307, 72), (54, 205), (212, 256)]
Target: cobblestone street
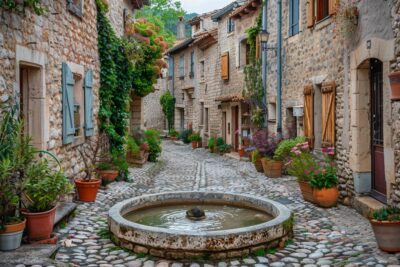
[(323, 237)]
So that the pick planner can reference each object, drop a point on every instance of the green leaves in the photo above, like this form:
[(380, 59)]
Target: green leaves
[(152, 138), (20, 6), (167, 102), (386, 214)]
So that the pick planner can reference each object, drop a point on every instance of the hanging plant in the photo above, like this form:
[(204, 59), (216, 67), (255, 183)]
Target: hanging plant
[(346, 18)]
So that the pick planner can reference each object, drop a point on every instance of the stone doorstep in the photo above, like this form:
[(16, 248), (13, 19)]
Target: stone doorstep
[(64, 209), (365, 204)]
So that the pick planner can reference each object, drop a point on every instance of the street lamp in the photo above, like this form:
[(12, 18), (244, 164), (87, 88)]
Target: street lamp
[(264, 36)]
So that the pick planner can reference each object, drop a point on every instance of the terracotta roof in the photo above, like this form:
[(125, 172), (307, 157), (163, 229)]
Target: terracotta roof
[(236, 97), (180, 45), (247, 8), (206, 39)]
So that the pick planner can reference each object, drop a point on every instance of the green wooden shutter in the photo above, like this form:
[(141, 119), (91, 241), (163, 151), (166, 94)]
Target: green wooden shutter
[(89, 103), (68, 83)]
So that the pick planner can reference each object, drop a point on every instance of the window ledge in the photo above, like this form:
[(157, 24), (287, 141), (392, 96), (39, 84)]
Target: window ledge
[(230, 34), (294, 38), (319, 25)]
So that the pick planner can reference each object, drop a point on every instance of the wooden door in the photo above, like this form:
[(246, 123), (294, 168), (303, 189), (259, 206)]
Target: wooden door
[(235, 120), (377, 151), (224, 125)]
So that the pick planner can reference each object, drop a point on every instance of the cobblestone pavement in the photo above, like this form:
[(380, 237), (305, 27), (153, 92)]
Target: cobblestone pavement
[(323, 237)]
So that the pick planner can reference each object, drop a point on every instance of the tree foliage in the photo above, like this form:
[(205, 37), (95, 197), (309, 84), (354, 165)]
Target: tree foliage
[(167, 102)]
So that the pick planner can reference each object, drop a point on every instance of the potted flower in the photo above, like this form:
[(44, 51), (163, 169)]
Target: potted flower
[(324, 182), (272, 164), (89, 184), (283, 150), (173, 134), (42, 189), (395, 85), (256, 160), (195, 138), (211, 144), (300, 165), (108, 171), (386, 225)]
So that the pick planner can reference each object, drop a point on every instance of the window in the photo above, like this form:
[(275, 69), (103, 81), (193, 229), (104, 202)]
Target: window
[(322, 9), (78, 105), (318, 10), (293, 17), (225, 66), (202, 68), (171, 67), (231, 25), (182, 66), (202, 113), (206, 119), (244, 53), (75, 7), (191, 74), (272, 112)]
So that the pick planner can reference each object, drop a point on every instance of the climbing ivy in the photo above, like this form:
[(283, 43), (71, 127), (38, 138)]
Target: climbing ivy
[(252, 34), (20, 6), (167, 102)]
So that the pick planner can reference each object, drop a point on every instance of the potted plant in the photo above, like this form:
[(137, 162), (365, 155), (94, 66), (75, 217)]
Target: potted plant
[(300, 165), (42, 189), (256, 160), (108, 171), (137, 155), (211, 144), (224, 148), (386, 225), (324, 183), (283, 150), (184, 136), (89, 184), (195, 138), (395, 85), (173, 134), (272, 164), (152, 139)]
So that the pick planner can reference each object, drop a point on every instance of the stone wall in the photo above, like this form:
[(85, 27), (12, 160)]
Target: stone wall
[(56, 37), (116, 14), (153, 115)]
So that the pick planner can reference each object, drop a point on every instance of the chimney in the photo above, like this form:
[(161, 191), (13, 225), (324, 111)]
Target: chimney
[(180, 31)]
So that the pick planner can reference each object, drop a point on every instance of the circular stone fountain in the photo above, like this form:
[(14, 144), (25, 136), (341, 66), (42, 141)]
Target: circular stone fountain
[(187, 225)]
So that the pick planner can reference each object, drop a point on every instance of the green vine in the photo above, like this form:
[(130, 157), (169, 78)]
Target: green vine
[(20, 6), (167, 102), (252, 34)]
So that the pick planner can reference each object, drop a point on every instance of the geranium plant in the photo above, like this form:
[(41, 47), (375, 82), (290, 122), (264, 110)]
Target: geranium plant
[(301, 162)]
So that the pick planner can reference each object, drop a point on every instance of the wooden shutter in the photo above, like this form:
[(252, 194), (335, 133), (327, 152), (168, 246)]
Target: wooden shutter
[(310, 13), (309, 114), (332, 7), (68, 83), (89, 103), (225, 67), (328, 113)]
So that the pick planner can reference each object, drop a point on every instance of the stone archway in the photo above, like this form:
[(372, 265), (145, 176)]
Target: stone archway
[(360, 88)]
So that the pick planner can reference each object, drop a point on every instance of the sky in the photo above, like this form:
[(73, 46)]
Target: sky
[(202, 6)]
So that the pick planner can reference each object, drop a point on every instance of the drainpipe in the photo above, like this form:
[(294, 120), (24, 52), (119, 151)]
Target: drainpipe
[(265, 62), (279, 70)]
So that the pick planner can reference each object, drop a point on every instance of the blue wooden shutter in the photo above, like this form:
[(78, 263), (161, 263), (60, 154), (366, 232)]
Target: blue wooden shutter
[(89, 103), (290, 17), (68, 83), (293, 17)]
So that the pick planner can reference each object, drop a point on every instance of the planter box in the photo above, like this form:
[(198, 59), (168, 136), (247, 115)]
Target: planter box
[(306, 191), (387, 235), (137, 160), (272, 168)]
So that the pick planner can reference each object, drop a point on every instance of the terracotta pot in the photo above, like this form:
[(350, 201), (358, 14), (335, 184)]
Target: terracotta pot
[(272, 168), (395, 85), (173, 138), (194, 144), (87, 191), (11, 236), (16, 227), (326, 197), (306, 191), (387, 235), (108, 175), (242, 153), (258, 165), (199, 144), (39, 224)]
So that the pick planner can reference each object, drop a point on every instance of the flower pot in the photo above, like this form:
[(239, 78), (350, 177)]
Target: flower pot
[(108, 175), (242, 153), (326, 197), (87, 191), (39, 224), (11, 236), (173, 138), (306, 191), (272, 168), (199, 144), (258, 165), (194, 144), (395, 85), (387, 235)]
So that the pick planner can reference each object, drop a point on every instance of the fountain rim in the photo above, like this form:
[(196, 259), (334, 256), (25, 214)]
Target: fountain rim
[(283, 214)]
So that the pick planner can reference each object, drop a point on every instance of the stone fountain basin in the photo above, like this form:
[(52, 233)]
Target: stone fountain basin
[(173, 244)]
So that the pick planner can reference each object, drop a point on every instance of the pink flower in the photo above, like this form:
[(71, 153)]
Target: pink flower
[(297, 152), (307, 172), (332, 163)]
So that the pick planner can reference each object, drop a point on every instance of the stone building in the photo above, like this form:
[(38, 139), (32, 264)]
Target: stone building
[(50, 68)]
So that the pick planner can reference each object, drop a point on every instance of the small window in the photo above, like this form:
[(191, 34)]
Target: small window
[(171, 67), (272, 112), (206, 119), (322, 9), (191, 74), (202, 113), (244, 53), (293, 17), (75, 7), (231, 25), (202, 68), (182, 66)]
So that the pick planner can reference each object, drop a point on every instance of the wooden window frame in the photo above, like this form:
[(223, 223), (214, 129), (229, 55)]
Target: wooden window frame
[(294, 26)]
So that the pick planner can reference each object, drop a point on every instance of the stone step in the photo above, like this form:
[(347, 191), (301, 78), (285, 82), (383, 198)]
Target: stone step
[(365, 204), (64, 209), (29, 255)]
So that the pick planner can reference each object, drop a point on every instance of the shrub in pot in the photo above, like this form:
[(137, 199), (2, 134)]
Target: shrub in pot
[(195, 138), (42, 189), (386, 225), (256, 160), (284, 148), (152, 139), (108, 171), (137, 152), (324, 183), (184, 136), (211, 144), (173, 134)]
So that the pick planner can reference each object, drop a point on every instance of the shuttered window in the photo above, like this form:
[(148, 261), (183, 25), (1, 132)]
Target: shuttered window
[(310, 13), (171, 67), (68, 84), (328, 113), (309, 114), (231, 25), (88, 90), (318, 10), (293, 17), (182, 66), (225, 67), (191, 74)]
